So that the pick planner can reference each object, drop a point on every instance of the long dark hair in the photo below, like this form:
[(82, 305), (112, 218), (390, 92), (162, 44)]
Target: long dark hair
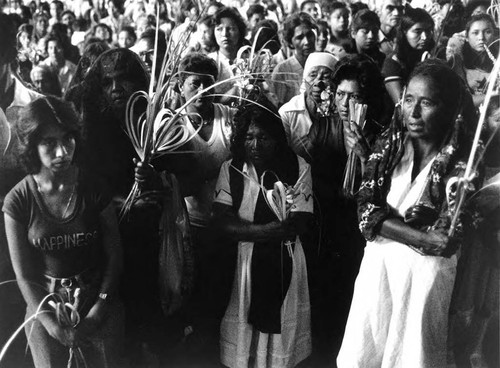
[(473, 59), (408, 56), (33, 119), (268, 119), (453, 93)]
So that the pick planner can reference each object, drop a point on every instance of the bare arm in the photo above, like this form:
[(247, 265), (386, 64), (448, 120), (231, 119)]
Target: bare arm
[(395, 90), (112, 269), (28, 276)]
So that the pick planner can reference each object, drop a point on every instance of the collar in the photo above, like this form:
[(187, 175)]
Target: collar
[(382, 37), (296, 103)]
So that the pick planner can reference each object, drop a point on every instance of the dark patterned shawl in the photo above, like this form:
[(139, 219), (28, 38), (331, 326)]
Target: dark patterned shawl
[(386, 155)]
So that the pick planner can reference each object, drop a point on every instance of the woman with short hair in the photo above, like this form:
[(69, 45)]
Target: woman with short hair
[(63, 239)]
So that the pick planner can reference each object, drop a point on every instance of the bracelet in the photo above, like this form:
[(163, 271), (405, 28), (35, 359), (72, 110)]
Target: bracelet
[(104, 297)]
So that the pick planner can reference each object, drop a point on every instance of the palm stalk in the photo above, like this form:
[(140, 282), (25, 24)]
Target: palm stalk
[(472, 163), (357, 114)]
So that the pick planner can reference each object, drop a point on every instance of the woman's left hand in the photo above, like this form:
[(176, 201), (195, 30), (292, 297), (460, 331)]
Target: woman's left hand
[(356, 141), (438, 243)]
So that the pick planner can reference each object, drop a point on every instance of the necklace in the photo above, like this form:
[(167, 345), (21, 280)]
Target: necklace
[(204, 122), (70, 200)]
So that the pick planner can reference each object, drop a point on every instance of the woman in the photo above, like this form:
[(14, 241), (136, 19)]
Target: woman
[(325, 143), (267, 321), (63, 238), (41, 25), (107, 86), (65, 69), (474, 61), (323, 36), (414, 38), (399, 312), (230, 30), (25, 47)]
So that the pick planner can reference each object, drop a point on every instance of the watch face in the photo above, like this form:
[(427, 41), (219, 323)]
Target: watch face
[(103, 296)]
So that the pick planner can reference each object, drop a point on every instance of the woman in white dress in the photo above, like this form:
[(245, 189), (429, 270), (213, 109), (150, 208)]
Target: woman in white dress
[(399, 312), (267, 321)]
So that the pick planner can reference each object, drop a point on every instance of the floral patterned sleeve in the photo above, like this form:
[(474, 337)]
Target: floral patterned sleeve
[(372, 204)]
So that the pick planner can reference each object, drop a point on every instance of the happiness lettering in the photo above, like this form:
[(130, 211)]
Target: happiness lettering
[(65, 241)]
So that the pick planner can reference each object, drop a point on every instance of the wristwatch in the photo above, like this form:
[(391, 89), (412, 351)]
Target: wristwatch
[(104, 296)]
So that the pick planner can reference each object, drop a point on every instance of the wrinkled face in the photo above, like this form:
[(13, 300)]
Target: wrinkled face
[(54, 50), (423, 110), (480, 34), (366, 38), (227, 34), (117, 87), (102, 33), (194, 84), (321, 41), (303, 41), (391, 12), (206, 36), (56, 149), (313, 10), (347, 90), (260, 147), (339, 20), (316, 81), (125, 39), (419, 36), (254, 19)]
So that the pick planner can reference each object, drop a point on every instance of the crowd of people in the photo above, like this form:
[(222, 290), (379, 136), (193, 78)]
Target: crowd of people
[(321, 212)]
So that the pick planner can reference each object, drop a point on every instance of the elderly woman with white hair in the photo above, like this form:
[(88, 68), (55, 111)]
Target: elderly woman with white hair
[(324, 137)]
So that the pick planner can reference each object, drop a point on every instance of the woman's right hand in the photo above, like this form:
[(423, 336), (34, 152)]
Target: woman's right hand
[(146, 175)]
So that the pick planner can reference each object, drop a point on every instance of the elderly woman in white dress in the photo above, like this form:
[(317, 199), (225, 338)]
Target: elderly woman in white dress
[(399, 312), (267, 321)]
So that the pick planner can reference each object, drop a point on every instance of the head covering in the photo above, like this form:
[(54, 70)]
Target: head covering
[(318, 59)]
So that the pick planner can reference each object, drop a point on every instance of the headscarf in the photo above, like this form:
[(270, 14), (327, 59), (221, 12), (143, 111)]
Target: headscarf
[(318, 59)]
